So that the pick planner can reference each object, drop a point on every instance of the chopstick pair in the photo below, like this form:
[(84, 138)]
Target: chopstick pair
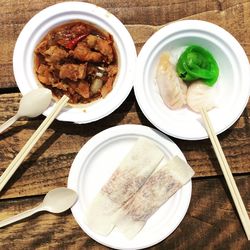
[(227, 174), (10, 170)]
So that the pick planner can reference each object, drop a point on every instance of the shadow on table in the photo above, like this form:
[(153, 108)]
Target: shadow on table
[(30, 161)]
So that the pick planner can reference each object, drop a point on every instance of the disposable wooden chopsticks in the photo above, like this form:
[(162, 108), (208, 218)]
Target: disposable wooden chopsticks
[(227, 174), (31, 142)]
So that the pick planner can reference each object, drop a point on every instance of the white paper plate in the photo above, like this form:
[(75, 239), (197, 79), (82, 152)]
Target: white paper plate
[(55, 15), (232, 87), (95, 163)]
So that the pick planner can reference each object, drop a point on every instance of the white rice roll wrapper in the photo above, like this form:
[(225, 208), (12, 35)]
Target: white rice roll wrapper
[(160, 186), (130, 175)]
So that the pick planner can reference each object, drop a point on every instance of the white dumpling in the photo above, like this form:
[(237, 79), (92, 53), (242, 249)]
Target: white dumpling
[(172, 89), (200, 95)]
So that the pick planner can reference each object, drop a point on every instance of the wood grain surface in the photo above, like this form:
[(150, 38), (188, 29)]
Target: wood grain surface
[(57, 148), (211, 221)]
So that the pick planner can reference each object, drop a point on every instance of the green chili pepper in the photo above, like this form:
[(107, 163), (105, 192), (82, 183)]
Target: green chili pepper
[(197, 63)]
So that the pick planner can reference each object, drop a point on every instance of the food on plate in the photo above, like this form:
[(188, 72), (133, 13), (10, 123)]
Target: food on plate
[(197, 63), (200, 95), (77, 59), (159, 187), (197, 67), (172, 88), (130, 175), (141, 184)]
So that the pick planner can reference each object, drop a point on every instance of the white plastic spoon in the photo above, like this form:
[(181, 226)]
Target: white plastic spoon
[(55, 201), (31, 105)]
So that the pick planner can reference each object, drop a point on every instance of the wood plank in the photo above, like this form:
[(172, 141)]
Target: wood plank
[(210, 223), (140, 17), (48, 164)]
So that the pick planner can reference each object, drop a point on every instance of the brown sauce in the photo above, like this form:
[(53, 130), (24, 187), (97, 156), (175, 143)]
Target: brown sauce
[(77, 59)]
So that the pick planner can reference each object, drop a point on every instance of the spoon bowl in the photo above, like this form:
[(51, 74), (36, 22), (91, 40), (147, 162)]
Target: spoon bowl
[(35, 102), (64, 198)]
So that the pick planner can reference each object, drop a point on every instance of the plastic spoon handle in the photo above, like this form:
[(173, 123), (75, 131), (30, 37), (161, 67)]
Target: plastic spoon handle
[(21, 216), (8, 123)]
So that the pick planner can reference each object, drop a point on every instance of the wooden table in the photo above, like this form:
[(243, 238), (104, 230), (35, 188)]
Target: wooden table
[(211, 221)]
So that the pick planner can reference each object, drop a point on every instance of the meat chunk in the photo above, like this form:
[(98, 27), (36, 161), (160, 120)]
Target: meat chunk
[(73, 71), (72, 87), (112, 70), (91, 41), (55, 54), (44, 75), (81, 88), (107, 87), (105, 48), (41, 47), (83, 53), (61, 86), (101, 45)]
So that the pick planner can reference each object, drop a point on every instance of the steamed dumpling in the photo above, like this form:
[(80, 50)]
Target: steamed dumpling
[(200, 95), (172, 89)]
